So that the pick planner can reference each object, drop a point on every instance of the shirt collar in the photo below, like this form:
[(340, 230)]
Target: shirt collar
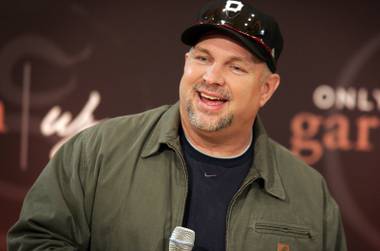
[(264, 166)]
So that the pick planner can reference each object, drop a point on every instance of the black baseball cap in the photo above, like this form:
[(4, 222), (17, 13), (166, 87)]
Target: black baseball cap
[(238, 19)]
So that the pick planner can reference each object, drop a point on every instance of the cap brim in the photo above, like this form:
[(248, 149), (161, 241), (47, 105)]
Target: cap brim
[(193, 34)]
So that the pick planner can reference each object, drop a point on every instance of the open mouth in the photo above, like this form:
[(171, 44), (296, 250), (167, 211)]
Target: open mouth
[(210, 99)]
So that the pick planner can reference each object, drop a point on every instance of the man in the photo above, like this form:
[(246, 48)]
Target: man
[(205, 163)]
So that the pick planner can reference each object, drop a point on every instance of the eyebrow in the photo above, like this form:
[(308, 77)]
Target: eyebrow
[(200, 49), (252, 59)]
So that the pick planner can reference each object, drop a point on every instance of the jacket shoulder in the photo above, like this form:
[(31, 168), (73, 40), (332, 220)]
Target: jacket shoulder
[(127, 123), (298, 178), (122, 126), (288, 162), (119, 134)]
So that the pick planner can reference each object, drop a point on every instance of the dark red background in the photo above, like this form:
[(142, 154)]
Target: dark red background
[(131, 54)]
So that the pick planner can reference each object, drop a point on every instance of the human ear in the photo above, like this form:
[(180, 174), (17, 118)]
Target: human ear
[(268, 87)]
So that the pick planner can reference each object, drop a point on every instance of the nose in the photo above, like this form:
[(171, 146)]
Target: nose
[(214, 75)]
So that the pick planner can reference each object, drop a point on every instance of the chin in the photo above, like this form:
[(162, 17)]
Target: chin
[(210, 123)]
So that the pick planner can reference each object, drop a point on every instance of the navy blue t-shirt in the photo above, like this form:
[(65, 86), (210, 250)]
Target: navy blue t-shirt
[(212, 184)]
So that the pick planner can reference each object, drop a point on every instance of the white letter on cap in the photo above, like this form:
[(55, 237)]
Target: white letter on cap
[(234, 6)]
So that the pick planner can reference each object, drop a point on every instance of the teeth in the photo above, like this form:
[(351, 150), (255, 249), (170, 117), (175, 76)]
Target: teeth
[(210, 97)]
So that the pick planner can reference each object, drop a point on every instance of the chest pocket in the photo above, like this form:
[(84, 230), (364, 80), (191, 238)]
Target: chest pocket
[(295, 231), (266, 235)]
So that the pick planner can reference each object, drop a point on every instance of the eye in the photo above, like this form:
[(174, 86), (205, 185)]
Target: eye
[(238, 69), (201, 58)]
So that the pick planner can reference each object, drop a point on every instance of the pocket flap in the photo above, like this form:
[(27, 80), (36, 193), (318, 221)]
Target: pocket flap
[(276, 228)]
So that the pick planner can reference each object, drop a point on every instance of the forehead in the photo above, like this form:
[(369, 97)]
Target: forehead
[(216, 43)]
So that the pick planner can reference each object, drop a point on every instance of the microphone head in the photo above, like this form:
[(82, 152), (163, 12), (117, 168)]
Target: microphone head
[(182, 239)]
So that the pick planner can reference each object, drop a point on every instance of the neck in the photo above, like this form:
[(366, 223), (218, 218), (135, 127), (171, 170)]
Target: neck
[(220, 156), (220, 144)]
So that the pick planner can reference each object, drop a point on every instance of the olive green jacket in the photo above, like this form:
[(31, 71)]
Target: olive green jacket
[(122, 185)]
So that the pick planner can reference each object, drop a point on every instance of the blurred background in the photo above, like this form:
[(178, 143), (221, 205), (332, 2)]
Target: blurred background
[(66, 65)]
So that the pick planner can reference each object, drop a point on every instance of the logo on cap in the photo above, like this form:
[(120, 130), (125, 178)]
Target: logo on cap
[(234, 6)]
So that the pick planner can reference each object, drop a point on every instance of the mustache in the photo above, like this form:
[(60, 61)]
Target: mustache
[(221, 91)]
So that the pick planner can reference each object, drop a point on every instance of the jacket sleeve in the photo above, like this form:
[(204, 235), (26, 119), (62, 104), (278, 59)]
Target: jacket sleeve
[(334, 237), (54, 214)]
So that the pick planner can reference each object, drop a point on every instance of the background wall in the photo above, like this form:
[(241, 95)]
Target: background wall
[(65, 65)]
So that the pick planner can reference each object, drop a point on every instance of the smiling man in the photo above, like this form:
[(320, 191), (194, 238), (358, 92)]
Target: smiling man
[(221, 91), (205, 163)]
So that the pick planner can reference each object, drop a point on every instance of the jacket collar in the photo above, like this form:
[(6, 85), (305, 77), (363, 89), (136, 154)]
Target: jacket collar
[(264, 165), (165, 132)]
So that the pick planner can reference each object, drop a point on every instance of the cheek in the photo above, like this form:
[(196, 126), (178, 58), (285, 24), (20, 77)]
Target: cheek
[(185, 86), (188, 70), (246, 98), (245, 92), (191, 76), (194, 71)]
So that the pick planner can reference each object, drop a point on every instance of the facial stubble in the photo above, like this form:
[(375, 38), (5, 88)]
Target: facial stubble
[(195, 119)]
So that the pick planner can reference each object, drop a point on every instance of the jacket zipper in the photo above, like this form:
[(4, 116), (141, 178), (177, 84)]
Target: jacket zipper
[(284, 229), (229, 211), (186, 181)]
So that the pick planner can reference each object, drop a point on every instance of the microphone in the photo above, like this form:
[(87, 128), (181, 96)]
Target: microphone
[(182, 239)]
